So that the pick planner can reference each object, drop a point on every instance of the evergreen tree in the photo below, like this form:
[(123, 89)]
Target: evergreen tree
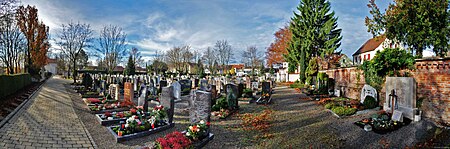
[(130, 69), (314, 33)]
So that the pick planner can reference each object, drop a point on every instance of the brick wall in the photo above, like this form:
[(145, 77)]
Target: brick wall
[(433, 85), (346, 79)]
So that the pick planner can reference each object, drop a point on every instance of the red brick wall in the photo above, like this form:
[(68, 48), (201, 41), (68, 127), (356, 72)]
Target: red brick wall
[(347, 81), (433, 85)]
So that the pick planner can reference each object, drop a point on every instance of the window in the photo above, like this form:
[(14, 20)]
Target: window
[(368, 57), (365, 57)]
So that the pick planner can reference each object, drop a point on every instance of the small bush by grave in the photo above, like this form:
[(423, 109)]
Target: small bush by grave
[(343, 111), (369, 102)]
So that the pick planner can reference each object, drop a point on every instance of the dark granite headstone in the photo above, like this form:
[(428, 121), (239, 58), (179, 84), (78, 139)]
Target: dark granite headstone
[(185, 86), (168, 100), (200, 107), (142, 100), (232, 96), (266, 87), (240, 90)]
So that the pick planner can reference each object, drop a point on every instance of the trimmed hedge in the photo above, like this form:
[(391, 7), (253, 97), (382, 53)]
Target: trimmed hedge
[(9, 84)]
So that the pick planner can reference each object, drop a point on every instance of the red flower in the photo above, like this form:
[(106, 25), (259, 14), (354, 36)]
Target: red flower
[(153, 126), (162, 142), (136, 117), (119, 133), (208, 123), (123, 126), (133, 110), (159, 107), (108, 114)]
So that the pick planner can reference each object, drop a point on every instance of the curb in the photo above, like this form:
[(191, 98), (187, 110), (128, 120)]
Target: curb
[(20, 107)]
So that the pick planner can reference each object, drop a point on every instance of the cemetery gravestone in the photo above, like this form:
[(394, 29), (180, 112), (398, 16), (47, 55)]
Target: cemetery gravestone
[(196, 81), (368, 90), (255, 85), (240, 90), (185, 86), (231, 92), (128, 93), (162, 83), (405, 90), (168, 101), (200, 107), (176, 90), (114, 91), (142, 100), (266, 88)]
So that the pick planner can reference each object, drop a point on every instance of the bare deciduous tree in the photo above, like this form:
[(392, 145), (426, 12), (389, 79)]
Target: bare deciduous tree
[(112, 46), (252, 57), (136, 56), (179, 58), (11, 39), (224, 52), (73, 38), (209, 57)]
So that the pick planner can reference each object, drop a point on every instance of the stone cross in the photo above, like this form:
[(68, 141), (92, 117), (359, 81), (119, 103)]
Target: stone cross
[(168, 100), (200, 107)]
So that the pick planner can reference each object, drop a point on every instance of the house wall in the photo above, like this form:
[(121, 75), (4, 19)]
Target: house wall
[(385, 44), (51, 67)]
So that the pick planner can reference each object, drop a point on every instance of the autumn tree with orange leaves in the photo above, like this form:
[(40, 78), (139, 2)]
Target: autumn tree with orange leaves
[(278, 48), (36, 34)]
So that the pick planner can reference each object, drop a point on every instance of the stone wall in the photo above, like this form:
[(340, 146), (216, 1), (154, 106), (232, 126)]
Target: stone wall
[(433, 86)]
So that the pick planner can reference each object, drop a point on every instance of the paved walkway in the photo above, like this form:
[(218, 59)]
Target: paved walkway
[(47, 121)]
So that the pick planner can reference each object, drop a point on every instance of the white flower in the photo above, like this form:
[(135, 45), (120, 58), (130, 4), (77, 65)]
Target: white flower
[(188, 134), (202, 122), (190, 127), (127, 125)]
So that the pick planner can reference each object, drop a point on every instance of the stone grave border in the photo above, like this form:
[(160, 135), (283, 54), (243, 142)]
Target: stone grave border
[(108, 122), (139, 134)]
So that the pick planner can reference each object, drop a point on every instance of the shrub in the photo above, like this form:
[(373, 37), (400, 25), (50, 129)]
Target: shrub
[(343, 111), (221, 103), (329, 105), (370, 102), (296, 85), (10, 84)]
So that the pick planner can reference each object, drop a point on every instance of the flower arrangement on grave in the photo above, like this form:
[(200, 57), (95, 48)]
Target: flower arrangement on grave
[(265, 95), (141, 121), (173, 140), (220, 109), (247, 93), (197, 131), (381, 122), (98, 107)]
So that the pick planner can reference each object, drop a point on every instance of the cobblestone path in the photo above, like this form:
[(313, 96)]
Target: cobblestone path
[(47, 121)]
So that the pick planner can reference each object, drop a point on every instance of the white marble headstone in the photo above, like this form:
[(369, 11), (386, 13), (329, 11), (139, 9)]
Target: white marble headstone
[(368, 90)]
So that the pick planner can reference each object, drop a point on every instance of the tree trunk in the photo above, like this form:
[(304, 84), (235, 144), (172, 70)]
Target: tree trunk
[(74, 75)]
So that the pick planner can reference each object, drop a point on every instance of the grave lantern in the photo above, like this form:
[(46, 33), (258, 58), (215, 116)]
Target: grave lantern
[(393, 101)]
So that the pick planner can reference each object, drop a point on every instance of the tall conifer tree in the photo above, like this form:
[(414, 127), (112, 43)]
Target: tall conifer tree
[(314, 33)]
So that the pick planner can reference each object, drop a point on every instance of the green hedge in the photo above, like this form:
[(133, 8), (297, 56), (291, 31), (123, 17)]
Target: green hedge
[(9, 84)]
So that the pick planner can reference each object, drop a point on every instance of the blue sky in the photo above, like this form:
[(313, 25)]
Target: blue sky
[(158, 25)]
